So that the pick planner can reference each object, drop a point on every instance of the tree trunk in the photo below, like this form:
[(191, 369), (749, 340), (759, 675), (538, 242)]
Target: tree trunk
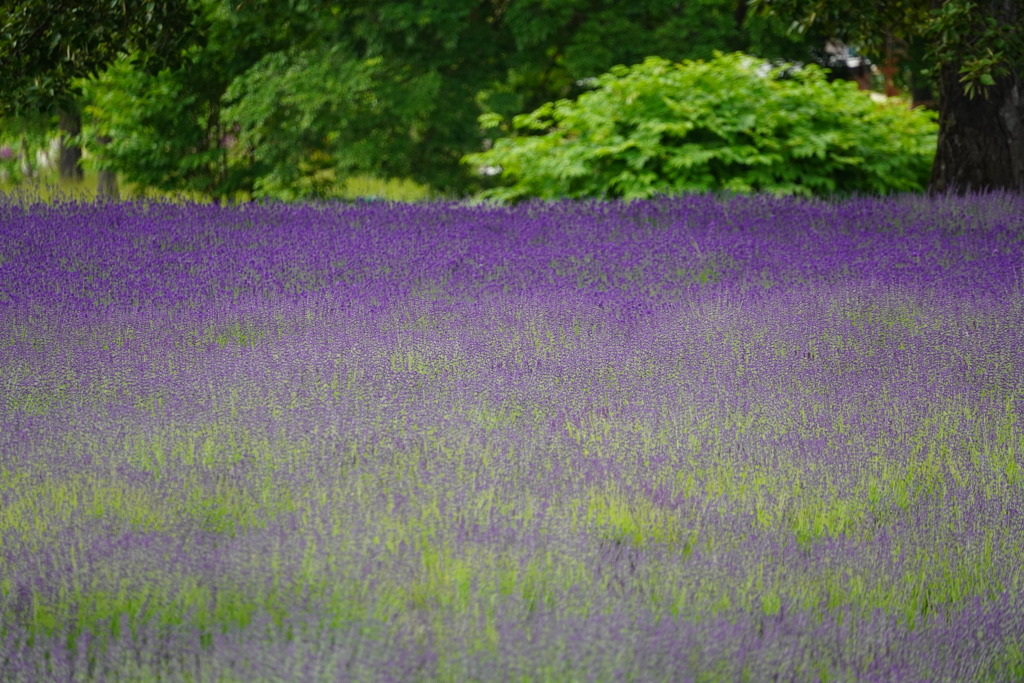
[(106, 186), (24, 159), (981, 140), (70, 122)]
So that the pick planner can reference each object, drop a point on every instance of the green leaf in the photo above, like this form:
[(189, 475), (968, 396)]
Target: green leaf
[(490, 120), (721, 124)]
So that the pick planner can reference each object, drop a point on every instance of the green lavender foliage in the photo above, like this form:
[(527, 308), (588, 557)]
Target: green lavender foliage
[(725, 124)]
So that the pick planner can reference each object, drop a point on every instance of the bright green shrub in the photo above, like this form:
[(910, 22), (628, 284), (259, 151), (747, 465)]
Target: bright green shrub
[(725, 124)]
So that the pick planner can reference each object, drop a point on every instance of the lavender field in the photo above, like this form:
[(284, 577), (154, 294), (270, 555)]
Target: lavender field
[(688, 439)]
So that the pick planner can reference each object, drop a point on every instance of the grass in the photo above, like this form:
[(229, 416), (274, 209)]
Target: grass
[(49, 187), (606, 451)]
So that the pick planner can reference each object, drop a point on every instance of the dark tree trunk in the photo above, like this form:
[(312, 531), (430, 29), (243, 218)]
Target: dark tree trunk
[(70, 122), (981, 140), (24, 160), (106, 186), (739, 14)]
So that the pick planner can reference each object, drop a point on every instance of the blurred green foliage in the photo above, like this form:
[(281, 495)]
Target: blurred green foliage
[(286, 100), (45, 45), (981, 41), (728, 124)]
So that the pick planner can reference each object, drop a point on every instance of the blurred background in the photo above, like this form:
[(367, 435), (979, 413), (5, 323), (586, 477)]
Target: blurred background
[(238, 100)]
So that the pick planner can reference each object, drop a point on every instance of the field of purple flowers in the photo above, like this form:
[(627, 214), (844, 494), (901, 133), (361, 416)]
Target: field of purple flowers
[(688, 439)]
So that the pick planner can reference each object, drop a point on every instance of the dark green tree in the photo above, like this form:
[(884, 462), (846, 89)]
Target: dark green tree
[(730, 123), (47, 46), (166, 130), (288, 98), (976, 51)]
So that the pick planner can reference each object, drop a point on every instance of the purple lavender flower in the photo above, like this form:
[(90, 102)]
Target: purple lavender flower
[(665, 440)]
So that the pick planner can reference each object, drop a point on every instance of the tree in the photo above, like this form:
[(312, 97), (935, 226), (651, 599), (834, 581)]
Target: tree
[(976, 49), (46, 46), (21, 136), (731, 123), (167, 130), (438, 65), (304, 94)]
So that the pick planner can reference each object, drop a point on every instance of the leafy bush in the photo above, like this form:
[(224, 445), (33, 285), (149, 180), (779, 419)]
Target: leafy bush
[(731, 124)]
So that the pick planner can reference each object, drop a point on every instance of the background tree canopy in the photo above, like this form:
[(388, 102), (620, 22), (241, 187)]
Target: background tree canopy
[(287, 99), (729, 124), (46, 45), (976, 53)]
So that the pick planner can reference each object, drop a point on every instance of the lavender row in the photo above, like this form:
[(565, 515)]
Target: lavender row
[(766, 451), (133, 256)]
